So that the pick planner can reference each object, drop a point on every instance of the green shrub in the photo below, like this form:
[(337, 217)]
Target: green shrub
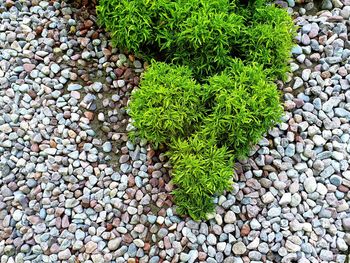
[(167, 104), (200, 34), (130, 23), (268, 40), (244, 42), (244, 105), (200, 170)]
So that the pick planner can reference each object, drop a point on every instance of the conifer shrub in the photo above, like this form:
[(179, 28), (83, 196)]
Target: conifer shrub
[(168, 103), (130, 23), (267, 40), (200, 34), (212, 95), (201, 169), (204, 35), (243, 104)]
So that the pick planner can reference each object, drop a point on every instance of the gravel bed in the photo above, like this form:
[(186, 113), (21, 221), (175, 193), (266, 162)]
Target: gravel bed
[(73, 188)]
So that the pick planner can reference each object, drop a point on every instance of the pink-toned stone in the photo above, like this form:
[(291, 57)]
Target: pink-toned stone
[(54, 248), (33, 219), (75, 94), (34, 148), (28, 67), (65, 221)]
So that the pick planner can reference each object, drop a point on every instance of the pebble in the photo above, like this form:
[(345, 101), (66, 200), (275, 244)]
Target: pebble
[(64, 255), (114, 244), (230, 217), (239, 248), (310, 184), (139, 243), (74, 87), (274, 212), (90, 247), (107, 147)]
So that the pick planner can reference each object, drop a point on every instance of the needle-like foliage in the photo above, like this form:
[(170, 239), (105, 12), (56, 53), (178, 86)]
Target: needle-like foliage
[(215, 97), (268, 39), (168, 103), (200, 170), (129, 22), (244, 105), (199, 34)]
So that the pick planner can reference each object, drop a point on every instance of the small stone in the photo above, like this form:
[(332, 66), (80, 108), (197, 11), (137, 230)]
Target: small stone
[(274, 212), (17, 215), (298, 82), (211, 239), (326, 255), (318, 140), (64, 255), (132, 210), (230, 217), (55, 68), (268, 198), (107, 147), (239, 248), (70, 203), (291, 247), (310, 184), (90, 247), (114, 244), (97, 86), (335, 180), (139, 243), (326, 5), (341, 244), (28, 67), (74, 87), (254, 244), (286, 199), (346, 224)]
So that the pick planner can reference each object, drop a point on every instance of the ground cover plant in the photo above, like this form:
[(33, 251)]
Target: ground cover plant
[(212, 95)]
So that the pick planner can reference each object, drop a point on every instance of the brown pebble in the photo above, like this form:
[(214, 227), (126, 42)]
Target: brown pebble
[(95, 35), (53, 144), (93, 203), (154, 182), (32, 93), (85, 202), (127, 238), (146, 247), (34, 219), (88, 24), (9, 3), (66, 115), (202, 256), (89, 115), (58, 222), (106, 52), (245, 230), (131, 181), (325, 74), (109, 226), (119, 72), (343, 188)]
